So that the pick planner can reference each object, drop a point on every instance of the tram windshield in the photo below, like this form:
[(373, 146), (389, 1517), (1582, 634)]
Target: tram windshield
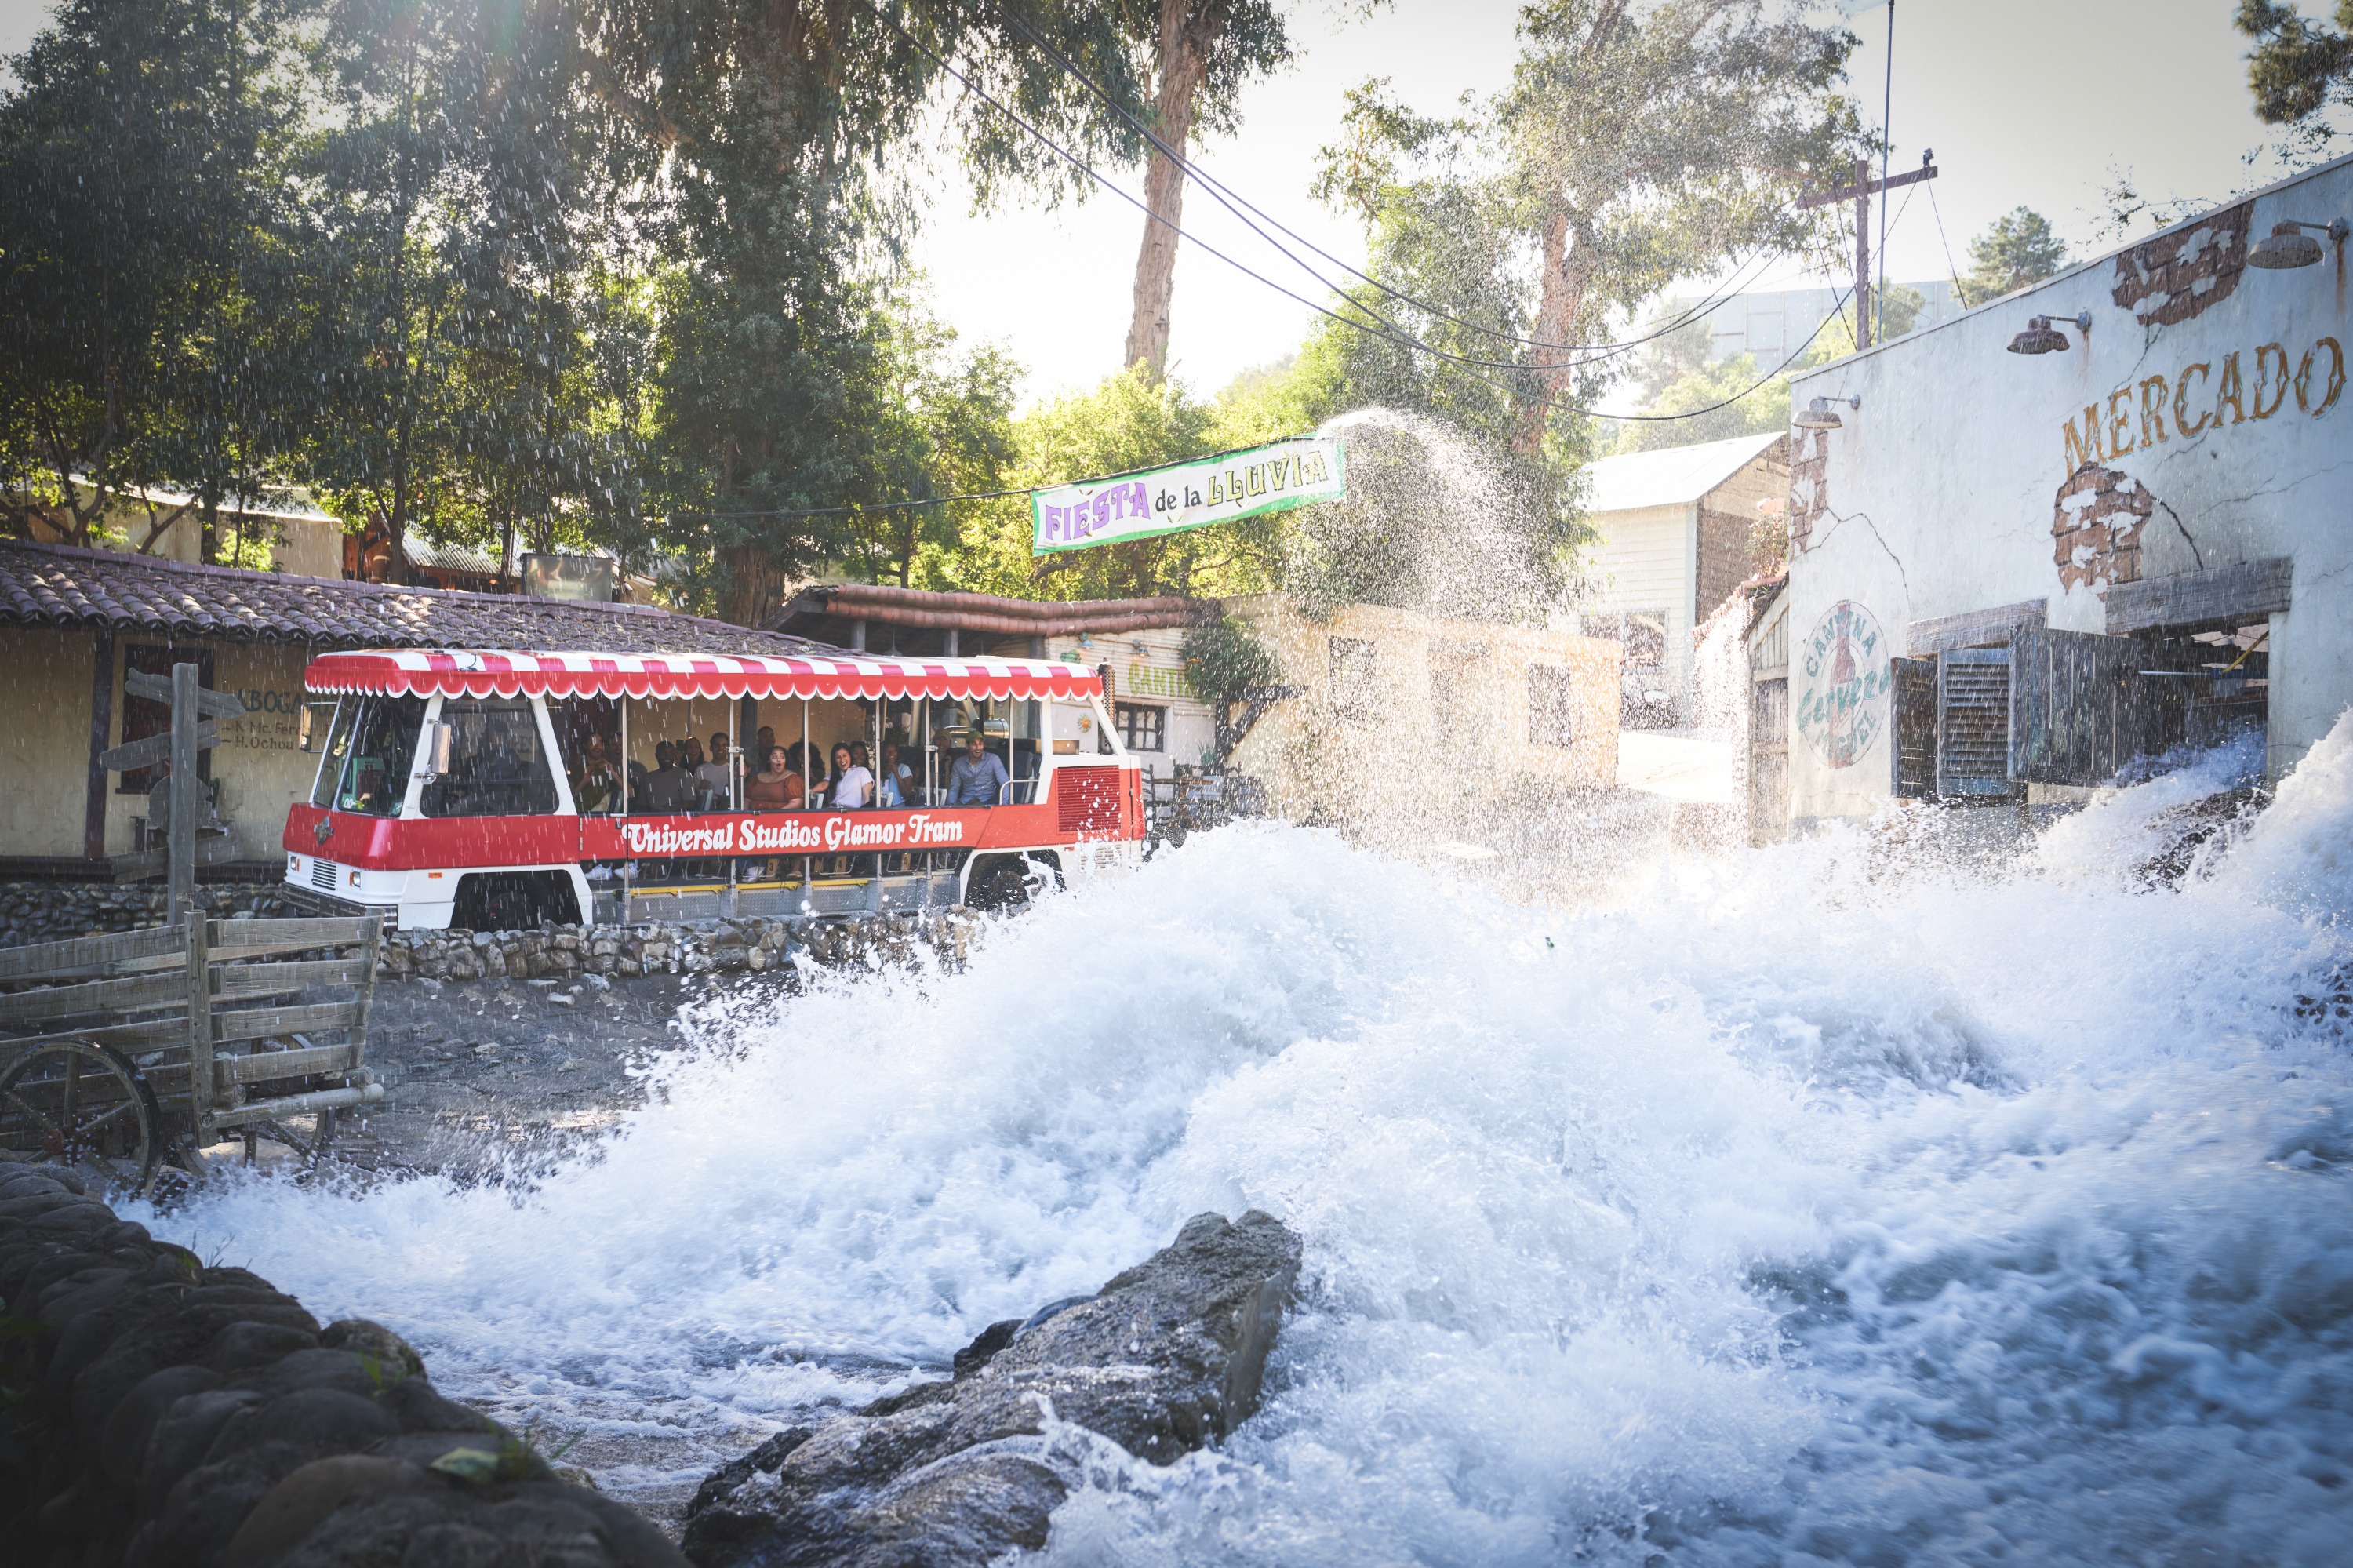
[(372, 773), (497, 766)]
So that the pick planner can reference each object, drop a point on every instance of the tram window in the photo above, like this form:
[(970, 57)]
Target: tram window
[(1143, 727), (497, 766), (338, 747), (383, 740)]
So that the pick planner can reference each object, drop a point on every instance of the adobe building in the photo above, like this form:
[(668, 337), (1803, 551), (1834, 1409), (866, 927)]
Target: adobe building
[(73, 622), (1675, 534), (2091, 521)]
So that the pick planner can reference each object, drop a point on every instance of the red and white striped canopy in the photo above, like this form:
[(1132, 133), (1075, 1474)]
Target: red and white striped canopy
[(452, 672)]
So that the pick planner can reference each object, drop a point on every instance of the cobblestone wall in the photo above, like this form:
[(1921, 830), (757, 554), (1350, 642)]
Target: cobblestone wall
[(701, 947), (54, 911)]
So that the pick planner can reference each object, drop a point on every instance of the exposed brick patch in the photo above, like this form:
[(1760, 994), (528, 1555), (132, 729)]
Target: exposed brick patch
[(2097, 521), (1809, 489), (2179, 275)]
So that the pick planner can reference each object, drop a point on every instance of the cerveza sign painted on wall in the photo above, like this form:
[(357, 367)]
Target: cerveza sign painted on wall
[(1188, 495), (1840, 706)]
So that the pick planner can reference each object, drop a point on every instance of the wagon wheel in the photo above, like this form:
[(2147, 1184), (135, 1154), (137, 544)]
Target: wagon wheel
[(77, 1102)]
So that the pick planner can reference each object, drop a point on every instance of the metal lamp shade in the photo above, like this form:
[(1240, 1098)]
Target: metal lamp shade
[(1817, 416), (2040, 337), (2288, 246)]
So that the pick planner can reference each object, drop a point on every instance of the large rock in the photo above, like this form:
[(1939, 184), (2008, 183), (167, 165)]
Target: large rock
[(1166, 1358)]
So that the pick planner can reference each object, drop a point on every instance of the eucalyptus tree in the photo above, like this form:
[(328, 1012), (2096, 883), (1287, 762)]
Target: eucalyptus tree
[(1202, 53), (1638, 143)]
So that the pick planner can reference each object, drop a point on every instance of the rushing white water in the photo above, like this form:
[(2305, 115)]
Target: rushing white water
[(1810, 1205)]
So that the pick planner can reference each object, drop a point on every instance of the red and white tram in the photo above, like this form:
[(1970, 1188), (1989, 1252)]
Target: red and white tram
[(493, 789)]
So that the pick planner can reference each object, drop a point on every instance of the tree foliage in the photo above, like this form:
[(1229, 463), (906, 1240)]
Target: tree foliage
[(2301, 73), (2017, 250)]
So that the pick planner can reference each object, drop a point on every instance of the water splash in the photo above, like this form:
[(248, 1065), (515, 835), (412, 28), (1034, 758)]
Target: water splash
[(1791, 1212)]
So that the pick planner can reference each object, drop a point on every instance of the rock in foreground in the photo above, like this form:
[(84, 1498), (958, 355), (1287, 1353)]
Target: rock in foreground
[(1165, 1358)]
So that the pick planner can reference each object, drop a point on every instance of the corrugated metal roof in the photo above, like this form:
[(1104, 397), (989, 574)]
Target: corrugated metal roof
[(448, 557), (1671, 477), (56, 585)]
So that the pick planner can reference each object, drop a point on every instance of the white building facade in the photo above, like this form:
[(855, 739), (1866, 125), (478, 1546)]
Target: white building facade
[(2013, 571)]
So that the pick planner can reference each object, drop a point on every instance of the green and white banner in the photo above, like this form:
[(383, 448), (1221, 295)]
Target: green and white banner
[(1188, 495)]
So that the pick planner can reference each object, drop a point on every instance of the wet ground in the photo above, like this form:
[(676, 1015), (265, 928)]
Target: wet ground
[(504, 1075)]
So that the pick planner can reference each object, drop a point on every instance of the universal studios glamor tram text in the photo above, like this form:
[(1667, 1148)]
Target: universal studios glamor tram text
[(771, 834), (1188, 495)]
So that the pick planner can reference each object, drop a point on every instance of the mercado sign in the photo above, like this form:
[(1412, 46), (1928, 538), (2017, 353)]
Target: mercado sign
[(1188, 495), (1839, 710)]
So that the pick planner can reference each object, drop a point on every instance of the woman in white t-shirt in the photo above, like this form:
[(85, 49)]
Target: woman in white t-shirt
[(853, 786)]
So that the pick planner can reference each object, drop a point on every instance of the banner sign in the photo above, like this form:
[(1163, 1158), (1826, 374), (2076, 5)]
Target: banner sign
[(778, 832), (1188, 495)]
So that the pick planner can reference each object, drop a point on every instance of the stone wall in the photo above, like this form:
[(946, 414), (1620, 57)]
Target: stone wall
[(156, 1411), (703, 947), (54, 911)]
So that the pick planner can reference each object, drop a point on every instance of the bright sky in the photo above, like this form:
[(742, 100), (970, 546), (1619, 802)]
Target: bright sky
[(2024, 101)]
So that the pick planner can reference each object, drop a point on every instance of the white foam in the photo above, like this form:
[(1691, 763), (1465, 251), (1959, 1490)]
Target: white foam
[(1790, 1211)]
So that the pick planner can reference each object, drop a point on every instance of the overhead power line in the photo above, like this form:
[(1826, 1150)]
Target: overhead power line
[(1246, 210), (1393, 338)]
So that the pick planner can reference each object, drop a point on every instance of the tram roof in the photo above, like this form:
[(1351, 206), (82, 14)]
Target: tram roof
[(481, 672)]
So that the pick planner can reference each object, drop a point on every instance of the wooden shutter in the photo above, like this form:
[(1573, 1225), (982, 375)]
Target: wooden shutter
[(2080, 707), (1914, 754), (1973, 722)]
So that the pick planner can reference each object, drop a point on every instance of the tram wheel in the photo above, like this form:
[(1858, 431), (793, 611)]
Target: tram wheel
[(74, 1102), (1002, 887)]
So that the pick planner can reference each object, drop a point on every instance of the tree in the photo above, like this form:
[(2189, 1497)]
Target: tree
[(2016, 251), (1648, 143), (1202, 53), (2299, 71), (134, 155)]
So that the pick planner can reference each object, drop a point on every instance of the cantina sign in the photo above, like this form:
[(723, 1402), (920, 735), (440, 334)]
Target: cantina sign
[(1840, 711), (1189, 495)]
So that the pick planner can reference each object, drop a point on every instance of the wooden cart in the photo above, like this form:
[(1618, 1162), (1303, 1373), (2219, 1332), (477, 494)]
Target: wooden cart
[(129, 1050)]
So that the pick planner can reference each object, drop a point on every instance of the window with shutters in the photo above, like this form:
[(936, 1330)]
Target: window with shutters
[(1973, 723), (1355, 682), (1142, 726), (1914, 754), (1552, 705)]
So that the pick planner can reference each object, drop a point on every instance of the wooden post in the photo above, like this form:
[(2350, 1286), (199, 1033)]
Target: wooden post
[(200, 1008), (102, 731), (183, 888)]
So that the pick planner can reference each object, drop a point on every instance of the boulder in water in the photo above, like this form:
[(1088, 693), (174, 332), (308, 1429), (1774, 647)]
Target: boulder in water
[(1165, 1358)]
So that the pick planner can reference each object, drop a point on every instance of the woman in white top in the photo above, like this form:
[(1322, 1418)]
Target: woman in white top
[(853, 786)]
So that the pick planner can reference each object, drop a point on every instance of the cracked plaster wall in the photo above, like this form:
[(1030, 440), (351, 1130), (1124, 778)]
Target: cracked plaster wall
[(2203, 421)]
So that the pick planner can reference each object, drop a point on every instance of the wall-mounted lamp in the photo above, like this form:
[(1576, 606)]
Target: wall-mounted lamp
[(1819, 416), (2041, 337), (2289, 245)]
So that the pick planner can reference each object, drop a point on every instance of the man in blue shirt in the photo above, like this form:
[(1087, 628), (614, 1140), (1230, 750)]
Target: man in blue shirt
[(978, 777)]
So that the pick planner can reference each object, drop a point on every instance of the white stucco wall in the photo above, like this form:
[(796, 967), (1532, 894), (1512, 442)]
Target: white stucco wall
[(1938, 496), (1647, 558)]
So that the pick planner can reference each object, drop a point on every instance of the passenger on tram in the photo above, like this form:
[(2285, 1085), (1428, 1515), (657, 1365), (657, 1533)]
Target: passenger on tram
[(716, 775), (669, 788), (896, 788), (978, 778), (852, 787), (777, 786), (596, 784)]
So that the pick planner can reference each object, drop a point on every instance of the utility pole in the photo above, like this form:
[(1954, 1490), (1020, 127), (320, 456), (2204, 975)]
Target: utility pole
[(1860, 192)]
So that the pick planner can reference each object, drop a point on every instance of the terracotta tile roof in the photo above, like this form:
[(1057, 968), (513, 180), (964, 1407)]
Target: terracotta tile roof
[(53, 585)]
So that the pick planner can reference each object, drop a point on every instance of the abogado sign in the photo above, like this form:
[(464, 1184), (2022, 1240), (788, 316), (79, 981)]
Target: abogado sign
[(1188, 495)]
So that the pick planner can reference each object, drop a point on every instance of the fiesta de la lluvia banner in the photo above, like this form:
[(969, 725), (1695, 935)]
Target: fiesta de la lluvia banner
[(1194, 494)]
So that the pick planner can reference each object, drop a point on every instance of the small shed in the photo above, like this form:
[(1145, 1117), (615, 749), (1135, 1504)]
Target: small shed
[(1677, 533)]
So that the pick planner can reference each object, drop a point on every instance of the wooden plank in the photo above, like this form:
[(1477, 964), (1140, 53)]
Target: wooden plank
[(162, 1032), (254, 1024), (78, 956), (241, 982), (2238, 594), (101, 724), (263, 1066), (198, 1035), (158, 689), (260, 938), (1977, 629), (136, 754), (2080, 709), (212, 849), (134, 994)]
